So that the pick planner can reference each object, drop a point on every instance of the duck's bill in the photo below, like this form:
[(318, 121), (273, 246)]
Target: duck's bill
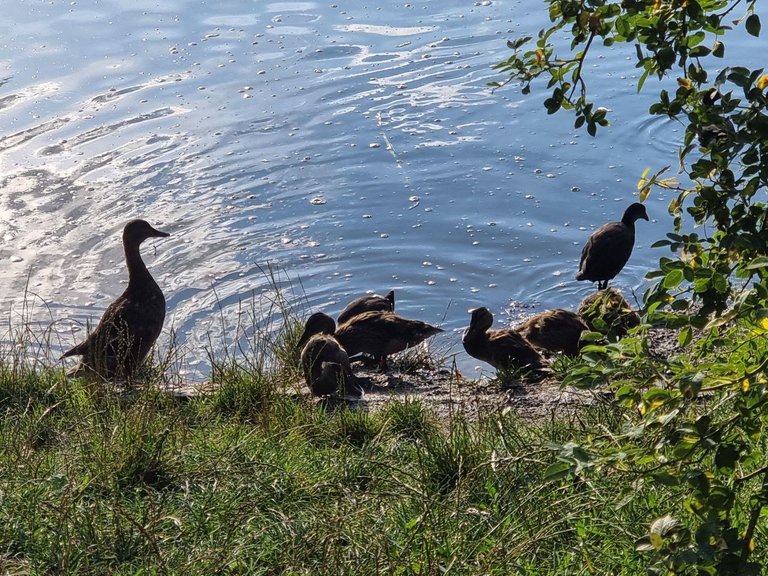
[(158, 234)]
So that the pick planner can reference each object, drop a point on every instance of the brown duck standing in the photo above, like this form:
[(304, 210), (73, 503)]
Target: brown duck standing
[(131, 324), (555, 330), (609, 247), (503, 349), (371, 303), (324, 362)]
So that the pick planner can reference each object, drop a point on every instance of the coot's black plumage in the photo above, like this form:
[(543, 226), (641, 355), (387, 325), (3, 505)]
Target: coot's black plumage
[(503, 349), (371, 303), (324, 362), (609, 247), (131, 324), (555, 330)]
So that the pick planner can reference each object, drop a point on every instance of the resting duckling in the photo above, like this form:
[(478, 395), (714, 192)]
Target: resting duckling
[(371, 303), (503, 349), (131, 324), (609, 247), (609, 312), (555, 330), (324, 362)]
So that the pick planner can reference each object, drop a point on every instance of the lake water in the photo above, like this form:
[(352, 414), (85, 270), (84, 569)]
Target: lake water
[(344, 147)]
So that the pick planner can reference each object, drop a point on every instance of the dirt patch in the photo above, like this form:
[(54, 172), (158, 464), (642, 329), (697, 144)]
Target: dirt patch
[(447, 393)]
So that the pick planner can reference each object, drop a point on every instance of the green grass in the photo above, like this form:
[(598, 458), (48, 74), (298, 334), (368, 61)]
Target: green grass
[(255, 481)]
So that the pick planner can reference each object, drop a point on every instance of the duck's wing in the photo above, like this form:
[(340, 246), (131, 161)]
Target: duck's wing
[(373, 303), (508, 348), (382, 333)]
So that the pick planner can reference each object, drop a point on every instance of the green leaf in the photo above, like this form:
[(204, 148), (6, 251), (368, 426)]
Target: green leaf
[(757, 263), (666, 479), (718, 51), (685, 336), (753, 24), (644, 544), (673, 279), (517, 42), (557, 471), (665, 527), (726, 456)]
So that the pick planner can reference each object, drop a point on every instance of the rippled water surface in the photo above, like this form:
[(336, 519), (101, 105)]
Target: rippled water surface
[(344, 147)]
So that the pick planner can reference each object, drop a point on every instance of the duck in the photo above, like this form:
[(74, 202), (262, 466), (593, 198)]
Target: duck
[(504, 349), (379, 334), (609, 312), (370, 303), (131, 324), (714, 133), (324, 362), (609, 247), (555, 330)]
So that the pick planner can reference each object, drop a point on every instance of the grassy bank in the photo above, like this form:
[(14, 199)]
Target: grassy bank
[(251, 480), (256, 479)]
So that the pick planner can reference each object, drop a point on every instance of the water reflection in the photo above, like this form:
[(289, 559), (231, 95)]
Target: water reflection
[(351, 148)]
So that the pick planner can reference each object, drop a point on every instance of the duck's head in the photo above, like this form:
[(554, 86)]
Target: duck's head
[(634, 213), (481, 319), (136, 231), (391, 297), (318, 323)]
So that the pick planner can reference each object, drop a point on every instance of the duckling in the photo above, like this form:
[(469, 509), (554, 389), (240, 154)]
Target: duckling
[(503, 349), (609, 312), (609, 247), (555, 330), (714, 133), (131, 324), (371, 303), (324, 362), (379, 334)]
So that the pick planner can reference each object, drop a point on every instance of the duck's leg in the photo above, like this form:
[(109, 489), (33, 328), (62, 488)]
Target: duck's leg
[(383, 363)]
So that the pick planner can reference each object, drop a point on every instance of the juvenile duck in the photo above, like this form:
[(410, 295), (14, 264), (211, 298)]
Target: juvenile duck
[(555, 330), (380, 334), (131, 324), (609, 247), (714, 133), (371, 303), (503, 349), (324, 362), (607, 311)]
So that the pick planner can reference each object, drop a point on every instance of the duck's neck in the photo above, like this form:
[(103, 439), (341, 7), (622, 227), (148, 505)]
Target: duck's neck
[(475, 334), (628, 221), (138, 274)]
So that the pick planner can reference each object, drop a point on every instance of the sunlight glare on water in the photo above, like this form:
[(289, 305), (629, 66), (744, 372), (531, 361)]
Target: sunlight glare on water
[(344, 147)]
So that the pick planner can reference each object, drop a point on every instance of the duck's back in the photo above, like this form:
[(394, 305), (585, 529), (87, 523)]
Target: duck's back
[(556, 330), (502, 349), (371, 303), (382, 333)]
